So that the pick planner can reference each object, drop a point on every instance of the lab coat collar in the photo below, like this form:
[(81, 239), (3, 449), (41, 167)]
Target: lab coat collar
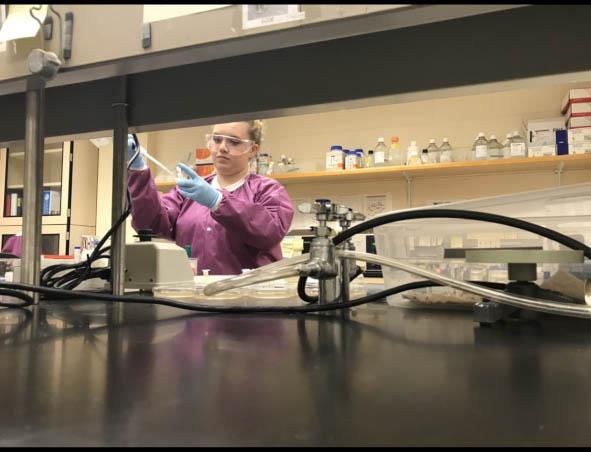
[(230, 188)]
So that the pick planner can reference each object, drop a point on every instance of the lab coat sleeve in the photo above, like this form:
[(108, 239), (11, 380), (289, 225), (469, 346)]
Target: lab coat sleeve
[(261, 220), (150, 210)]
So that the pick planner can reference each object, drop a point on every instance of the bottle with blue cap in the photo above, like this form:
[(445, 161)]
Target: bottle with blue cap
[(360, 158), (335, 158)]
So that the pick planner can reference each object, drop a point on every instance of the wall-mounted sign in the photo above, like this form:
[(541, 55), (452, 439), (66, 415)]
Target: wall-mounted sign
[(19, 23), (262, 15)]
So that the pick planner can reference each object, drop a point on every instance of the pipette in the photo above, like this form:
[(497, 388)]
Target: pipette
[(145, 153)]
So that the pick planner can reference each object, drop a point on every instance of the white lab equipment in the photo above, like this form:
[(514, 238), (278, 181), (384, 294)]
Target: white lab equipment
[(151, 264)]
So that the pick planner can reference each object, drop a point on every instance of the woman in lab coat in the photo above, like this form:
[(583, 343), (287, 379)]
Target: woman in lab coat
[(232, 219)]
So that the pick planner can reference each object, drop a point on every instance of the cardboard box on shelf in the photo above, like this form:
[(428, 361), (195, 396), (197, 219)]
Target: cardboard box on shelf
[(574, 96), (578, 109), (541, 132), (580, 121), (581, 147), (542, 151), (578, 135)]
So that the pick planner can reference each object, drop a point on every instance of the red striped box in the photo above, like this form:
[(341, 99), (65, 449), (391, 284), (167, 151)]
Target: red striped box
[(575, 96)]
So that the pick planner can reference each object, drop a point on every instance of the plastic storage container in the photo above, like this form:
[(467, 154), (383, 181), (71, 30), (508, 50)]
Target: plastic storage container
[(423, 242)]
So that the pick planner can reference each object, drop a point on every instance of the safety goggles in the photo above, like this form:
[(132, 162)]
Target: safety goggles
[(233, 145)]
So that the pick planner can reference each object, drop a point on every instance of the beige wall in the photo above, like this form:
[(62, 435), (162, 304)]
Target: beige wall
[(108, 32)]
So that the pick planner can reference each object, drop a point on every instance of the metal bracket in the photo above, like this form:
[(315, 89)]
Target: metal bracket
[(558, 171), (146, 35), (408, 189)]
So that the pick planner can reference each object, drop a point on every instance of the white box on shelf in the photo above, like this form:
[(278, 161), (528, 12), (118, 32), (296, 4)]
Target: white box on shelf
[(542, 151), (578, 135), (579, 109), (425, 242), (579, 121), (54, 202), (575, 96), (541, 132), (580, 147)]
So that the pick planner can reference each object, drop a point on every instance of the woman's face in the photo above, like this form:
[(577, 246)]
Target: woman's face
[(224, 150)]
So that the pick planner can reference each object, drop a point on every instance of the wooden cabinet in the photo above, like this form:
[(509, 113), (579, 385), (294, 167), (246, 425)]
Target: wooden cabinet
[(69, 186)]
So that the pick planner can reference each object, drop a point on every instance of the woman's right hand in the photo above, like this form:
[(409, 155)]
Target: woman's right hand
[(138, 163)]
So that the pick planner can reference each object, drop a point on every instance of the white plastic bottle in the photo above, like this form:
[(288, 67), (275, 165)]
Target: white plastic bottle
[(507, 146), (433, 152), (481, 147), (381, 153), (445, 151), (518, 146), (351, 159), (495, 149), (360, 158), (335, 158), (413, 154)]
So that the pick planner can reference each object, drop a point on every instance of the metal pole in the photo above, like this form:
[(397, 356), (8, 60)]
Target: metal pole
[(119, 185), (33, 182)]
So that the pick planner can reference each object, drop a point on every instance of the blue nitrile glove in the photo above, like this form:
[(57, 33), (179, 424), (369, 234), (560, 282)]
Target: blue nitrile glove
[(138, 163), (196, 188)]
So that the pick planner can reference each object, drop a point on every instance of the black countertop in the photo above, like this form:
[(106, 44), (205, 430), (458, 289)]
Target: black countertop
[(111, 374)]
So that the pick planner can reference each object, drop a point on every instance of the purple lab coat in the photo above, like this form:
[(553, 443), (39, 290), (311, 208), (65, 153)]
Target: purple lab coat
[(14, 245), (245, 231)]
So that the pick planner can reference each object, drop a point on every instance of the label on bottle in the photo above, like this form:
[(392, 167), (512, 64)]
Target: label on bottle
[(351, 161), (518, 149), (481, 151), (379, 156), (495, 153)]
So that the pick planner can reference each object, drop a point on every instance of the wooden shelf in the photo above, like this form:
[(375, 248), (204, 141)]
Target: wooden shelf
[(21, 154), (527, 164), (20, 186)]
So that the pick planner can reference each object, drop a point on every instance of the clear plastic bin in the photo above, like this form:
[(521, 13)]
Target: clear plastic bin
[(423, 242)]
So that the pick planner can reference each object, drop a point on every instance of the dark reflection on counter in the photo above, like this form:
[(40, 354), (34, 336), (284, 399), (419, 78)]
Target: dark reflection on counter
[(122, 374)]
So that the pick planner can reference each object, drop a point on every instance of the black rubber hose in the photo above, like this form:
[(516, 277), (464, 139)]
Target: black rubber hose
[(449, 213)]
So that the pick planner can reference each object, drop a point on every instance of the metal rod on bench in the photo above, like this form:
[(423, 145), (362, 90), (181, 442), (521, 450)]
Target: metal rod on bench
[(119, 185)]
